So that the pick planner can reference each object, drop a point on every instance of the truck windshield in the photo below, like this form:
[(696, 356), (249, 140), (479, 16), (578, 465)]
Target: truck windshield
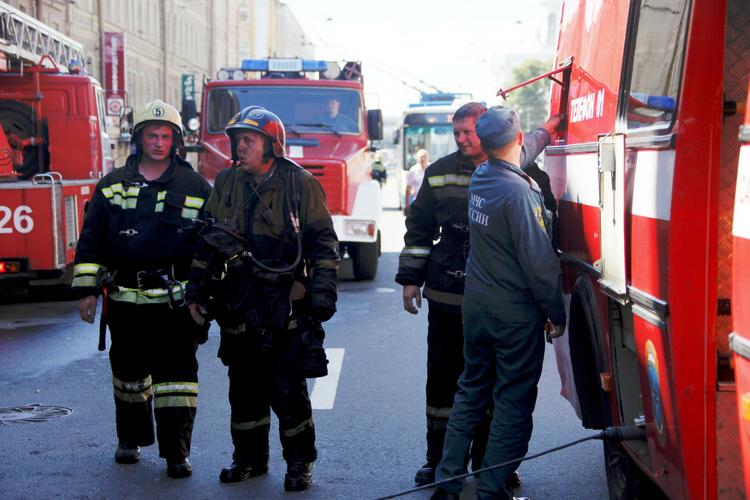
[(302, 109), (432, 132)]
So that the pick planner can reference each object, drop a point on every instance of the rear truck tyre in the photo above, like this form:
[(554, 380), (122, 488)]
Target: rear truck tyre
[(625, 480), (365, 259)]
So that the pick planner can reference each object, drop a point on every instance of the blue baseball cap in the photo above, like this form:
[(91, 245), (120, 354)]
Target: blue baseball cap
[(497, 127)]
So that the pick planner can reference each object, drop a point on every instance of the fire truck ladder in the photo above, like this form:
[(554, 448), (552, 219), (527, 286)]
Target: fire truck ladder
[(25, 38)]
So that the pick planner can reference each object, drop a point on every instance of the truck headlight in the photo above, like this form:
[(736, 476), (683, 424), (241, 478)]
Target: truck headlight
[(193, 124), (359, 228)]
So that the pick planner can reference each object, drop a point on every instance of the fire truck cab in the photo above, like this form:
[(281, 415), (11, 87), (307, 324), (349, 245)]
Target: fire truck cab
[(645, 168), (327, 131), (53, 149)]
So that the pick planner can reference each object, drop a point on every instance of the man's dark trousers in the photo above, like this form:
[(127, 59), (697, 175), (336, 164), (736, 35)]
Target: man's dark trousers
[(259, 381), (503, 351), (445, 362), (153, 364)]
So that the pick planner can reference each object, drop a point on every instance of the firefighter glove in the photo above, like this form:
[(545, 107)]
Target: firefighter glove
[(322, 308)]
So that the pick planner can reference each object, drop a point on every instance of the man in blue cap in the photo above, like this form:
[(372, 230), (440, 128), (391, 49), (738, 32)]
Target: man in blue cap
[(513, 287)]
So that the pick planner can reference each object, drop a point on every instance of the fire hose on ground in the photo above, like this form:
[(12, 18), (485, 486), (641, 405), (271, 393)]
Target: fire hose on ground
[(613, 434)]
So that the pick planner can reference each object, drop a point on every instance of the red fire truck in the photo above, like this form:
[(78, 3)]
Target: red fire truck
[(323, 109), (645, 170), (53, 149), (740, 339)]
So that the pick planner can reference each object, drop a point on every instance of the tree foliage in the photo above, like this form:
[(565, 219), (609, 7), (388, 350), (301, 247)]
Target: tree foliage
[(531, 101)]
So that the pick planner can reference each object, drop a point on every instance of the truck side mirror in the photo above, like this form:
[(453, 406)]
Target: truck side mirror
[(396, 136), (375, 124), (190, 115)]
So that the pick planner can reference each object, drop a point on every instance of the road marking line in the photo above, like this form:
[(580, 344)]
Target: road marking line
[(324, 391)]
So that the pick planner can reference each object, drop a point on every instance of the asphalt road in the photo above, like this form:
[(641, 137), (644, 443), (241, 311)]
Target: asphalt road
[(369, 412)]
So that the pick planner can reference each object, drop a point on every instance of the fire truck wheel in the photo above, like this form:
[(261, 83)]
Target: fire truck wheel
[(17, 119), (625, 480), (365, 259)]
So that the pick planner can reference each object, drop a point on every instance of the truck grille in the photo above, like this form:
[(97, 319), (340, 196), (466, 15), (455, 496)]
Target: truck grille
[(331, 177)]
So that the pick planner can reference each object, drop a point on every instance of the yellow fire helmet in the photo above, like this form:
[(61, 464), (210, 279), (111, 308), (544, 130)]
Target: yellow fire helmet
[(158, 111)]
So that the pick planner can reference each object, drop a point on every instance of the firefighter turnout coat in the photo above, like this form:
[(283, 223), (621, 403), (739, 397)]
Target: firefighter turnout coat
[(136, 226), (261, 215)]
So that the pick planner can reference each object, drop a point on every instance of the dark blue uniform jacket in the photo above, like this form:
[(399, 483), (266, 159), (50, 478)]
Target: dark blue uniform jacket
[(511, 257)]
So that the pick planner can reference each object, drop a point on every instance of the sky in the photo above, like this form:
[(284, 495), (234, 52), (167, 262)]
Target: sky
[(454, 45)]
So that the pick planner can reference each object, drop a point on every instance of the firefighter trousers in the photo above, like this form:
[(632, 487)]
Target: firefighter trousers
[(445, 362), (154, 365), (504, 350), (262, 377)]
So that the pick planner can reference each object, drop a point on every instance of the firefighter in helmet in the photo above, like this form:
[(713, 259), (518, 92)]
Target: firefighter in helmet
[(265, 269), (135, 251)]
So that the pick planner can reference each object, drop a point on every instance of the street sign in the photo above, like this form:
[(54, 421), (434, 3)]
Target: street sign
[(114, 71), (188, 87)]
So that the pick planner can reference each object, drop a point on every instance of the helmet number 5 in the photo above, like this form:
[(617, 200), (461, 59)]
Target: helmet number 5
[(22, 221)]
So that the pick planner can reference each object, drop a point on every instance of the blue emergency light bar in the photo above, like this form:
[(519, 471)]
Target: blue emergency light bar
[(282, 65)]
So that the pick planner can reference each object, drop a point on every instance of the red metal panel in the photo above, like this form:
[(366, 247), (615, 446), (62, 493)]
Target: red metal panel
[(741, 298), (649, 259), (662, 426), (594, 34), (692, 248), (579, 236), (37, 244)]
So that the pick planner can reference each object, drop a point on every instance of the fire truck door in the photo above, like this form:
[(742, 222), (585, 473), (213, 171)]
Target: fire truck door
[(612, 215), (740, 339)]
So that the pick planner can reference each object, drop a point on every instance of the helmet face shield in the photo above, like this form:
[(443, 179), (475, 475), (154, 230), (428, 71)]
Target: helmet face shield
[(258, 119), (158, 112)]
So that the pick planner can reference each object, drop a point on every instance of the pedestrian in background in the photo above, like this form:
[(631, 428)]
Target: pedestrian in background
[(378, 170), (266, 270), (513, 287), (137, 244), (414, 177)]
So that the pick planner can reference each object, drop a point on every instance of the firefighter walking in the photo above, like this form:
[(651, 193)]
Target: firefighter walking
[(266, 270), (135, 249), (513, 285)]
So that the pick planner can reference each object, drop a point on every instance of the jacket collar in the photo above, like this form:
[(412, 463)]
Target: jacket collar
[(504, 165), (131, 173)]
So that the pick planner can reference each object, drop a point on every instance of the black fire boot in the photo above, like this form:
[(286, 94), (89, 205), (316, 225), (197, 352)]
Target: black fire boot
[(239, 471), (127, 453), (514, 480), (425, 475), (435, 440), (179, 468), (298, 476)]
